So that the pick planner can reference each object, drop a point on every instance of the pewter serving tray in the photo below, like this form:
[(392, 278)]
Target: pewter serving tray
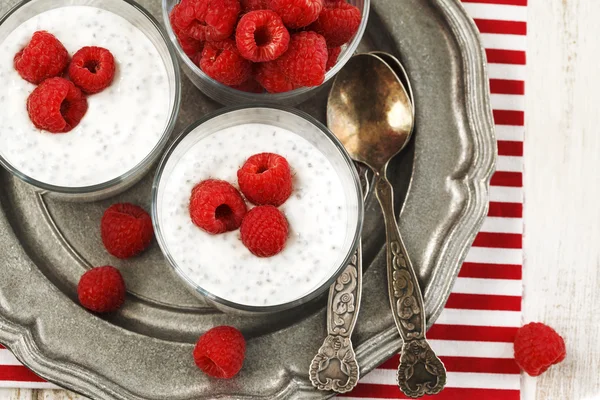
[(144, 352)]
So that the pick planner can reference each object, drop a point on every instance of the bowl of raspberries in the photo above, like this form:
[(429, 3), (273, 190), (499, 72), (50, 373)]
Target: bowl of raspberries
[(258, 51)]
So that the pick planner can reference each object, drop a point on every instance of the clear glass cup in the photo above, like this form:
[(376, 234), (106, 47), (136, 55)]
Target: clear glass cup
[(144, 21), (229, 96), (297, 122)]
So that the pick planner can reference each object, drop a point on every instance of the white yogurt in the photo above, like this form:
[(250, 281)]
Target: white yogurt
[(316, 212), (123, 123)]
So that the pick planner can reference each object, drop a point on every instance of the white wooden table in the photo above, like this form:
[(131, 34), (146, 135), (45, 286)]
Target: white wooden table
[(562, 197)]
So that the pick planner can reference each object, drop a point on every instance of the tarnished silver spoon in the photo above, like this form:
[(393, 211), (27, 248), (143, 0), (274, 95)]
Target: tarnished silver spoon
[(371, 113)]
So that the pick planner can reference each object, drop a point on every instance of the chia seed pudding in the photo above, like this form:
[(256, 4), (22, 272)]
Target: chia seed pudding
[(317, 212), (123, 123)]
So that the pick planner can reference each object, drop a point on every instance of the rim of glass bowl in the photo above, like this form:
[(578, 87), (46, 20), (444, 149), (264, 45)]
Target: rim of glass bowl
[(244, 307), (150, 157), (258, 97)]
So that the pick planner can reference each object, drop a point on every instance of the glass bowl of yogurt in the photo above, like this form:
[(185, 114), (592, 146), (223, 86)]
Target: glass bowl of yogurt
[(324, 211), (126, 126), (230, 96)]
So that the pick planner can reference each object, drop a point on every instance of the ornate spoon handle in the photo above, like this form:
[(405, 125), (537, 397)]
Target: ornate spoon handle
[(420, 371), (342, 312)]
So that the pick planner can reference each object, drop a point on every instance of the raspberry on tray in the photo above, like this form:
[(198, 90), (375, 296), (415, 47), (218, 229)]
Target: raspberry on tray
[(264, 231), (126, 230), (216, 206), (266, 178), (101, 289), (44, 57), (222, 62), (261, 36), (220, 352), (56, 105), (92, 69)]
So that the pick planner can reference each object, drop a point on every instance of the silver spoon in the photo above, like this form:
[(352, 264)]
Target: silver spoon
[(370, 112)]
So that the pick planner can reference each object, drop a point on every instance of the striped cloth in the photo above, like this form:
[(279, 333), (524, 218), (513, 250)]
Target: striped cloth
[(475, 331)]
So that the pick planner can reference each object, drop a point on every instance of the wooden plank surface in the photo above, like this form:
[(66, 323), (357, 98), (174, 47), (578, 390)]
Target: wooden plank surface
[(562, 212)]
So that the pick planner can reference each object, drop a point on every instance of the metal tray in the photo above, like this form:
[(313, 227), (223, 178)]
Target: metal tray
[(144, 352)]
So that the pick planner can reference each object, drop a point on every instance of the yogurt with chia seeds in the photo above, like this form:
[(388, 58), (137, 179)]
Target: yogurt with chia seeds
[(317, 212), (123, 123)]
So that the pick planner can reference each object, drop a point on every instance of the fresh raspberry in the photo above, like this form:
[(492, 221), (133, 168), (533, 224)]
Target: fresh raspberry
[(337, 23), (297, 13), (261, 36), (44, 57), (305, 60), (222, 62), (264, 231), (272, 78), (220, 352), (332, 56), (253, 5), (191, 47), (92, 69), (126, 230), (216, 206), (266, 178), (538, 347), (101, 289), (56, 105), (211, 20), (250, 86)]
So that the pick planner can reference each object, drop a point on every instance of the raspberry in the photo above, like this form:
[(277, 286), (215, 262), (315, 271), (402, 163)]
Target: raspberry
[(211, 20), (222, 62), (332, 56), (297, 13), (264, 231), (56, 105), (272, 78), (305, 60), (44, 57), (250, 86), (216, 206), (338, 23), (253, 5), (92, 69), (266, 178), (190, 46), (220, 352), (261, 36), (538, 347), (101, 289), (126, 230)]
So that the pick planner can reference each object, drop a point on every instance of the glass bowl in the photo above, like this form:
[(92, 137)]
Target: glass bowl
[(140, 18), (170, 211), (229, 96)]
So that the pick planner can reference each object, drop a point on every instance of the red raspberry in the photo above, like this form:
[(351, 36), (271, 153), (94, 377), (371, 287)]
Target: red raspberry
[(190, 46), (222, 62), (264, 231), (266, 178), (216, 206), (337, 23), (101, 289), (56, 105), (211, 20), (220, 352), (272, 78), (538, 347), (44, 57), (92, 69), (305, 60), (261, 36), (126, 230), (297, 13), (250, 86), (253, 5), (332, 56)]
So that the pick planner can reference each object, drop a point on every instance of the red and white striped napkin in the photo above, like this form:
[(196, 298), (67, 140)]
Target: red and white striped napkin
[(475, 331)]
